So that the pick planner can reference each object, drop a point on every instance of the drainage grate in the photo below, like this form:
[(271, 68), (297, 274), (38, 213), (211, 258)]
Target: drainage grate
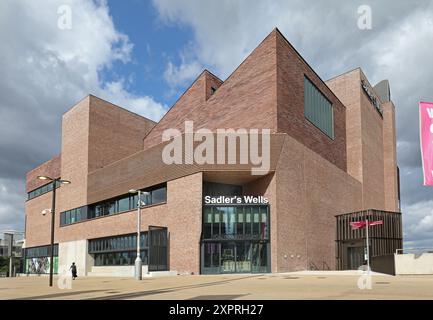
[(382, 282), (291, 278)]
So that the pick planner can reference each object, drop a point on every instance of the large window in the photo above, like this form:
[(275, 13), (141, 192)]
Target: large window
[(42, 190), (235, 222), (128, 202), (37, 259), (119, 250), (318, 109), (42, 251)]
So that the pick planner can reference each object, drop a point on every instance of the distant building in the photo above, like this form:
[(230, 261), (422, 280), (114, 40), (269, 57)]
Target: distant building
[(333, 161), (5, 244)]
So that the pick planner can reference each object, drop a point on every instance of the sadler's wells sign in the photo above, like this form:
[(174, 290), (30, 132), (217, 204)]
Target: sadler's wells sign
[(235, 200)]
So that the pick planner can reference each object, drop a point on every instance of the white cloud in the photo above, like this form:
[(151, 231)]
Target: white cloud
[(418, 222), (146, 106), (45, 71), (177, 76), (327, 35)]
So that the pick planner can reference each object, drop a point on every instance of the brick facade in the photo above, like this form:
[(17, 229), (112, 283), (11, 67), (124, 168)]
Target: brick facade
[(107, 150)]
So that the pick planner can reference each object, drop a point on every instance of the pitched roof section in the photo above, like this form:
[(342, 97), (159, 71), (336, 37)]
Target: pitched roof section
[(190, 101), (247, 99)]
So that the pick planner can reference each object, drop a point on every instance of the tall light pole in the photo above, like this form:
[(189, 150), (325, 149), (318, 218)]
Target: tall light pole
[(53, 215), (138, 262)]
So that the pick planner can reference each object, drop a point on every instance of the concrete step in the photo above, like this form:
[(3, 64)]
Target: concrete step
[(114, 271), (156, 274), (126, 271)]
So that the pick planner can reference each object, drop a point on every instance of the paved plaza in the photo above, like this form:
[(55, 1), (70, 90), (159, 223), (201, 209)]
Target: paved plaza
[(228, 287)]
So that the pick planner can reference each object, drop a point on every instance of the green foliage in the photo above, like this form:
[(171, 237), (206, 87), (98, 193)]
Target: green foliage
[(4, 264)]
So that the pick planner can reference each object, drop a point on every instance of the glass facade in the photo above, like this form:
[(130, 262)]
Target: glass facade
[(120, 204), (318, 109), (118, 250), (37, 259), (123, 258), (41, 190), (42, 251), (235, 239)]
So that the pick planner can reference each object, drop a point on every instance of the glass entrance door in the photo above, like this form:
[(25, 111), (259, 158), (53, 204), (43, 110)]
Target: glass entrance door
[(234, 257), (243, 257), (228, 264)]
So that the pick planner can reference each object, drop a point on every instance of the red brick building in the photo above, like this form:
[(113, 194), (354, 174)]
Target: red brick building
[(332, 152)]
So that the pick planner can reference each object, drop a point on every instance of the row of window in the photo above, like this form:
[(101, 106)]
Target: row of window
[(42, 251), (122, 258), (118, 250), (124, 203), (240, 221), (118, 243), (41, 190), (318, 109)]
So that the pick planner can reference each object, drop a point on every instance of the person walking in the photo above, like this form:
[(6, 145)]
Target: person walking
[(73, 269)]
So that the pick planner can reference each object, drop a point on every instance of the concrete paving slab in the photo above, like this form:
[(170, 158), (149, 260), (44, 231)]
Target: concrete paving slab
[(313, 285)]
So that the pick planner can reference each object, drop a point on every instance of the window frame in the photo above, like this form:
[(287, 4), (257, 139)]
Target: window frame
[(317, 125)]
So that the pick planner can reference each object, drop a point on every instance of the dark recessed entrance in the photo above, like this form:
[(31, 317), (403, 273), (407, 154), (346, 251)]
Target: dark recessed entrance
[(157, 249)]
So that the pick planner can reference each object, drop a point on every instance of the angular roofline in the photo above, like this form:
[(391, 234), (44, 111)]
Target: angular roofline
[(123, 109), (91, 95), (40, 165), (309, 66), (361, 71), (180, 97), (344, 73)]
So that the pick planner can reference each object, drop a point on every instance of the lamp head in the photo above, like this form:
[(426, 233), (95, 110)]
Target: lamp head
[(44, 178)]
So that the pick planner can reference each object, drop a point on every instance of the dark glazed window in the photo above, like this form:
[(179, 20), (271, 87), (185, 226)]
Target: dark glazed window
[(236, 221), (128, 202), (317, 108), (124, 204), (159, 195)]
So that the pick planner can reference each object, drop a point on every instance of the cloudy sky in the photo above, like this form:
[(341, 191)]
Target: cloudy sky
[(143, 54)]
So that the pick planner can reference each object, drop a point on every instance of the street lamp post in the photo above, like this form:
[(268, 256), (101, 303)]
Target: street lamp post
[(138, 261), (53, 210)]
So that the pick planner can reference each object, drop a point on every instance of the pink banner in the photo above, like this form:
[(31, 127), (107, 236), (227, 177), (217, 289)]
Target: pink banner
[(426, 140)]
